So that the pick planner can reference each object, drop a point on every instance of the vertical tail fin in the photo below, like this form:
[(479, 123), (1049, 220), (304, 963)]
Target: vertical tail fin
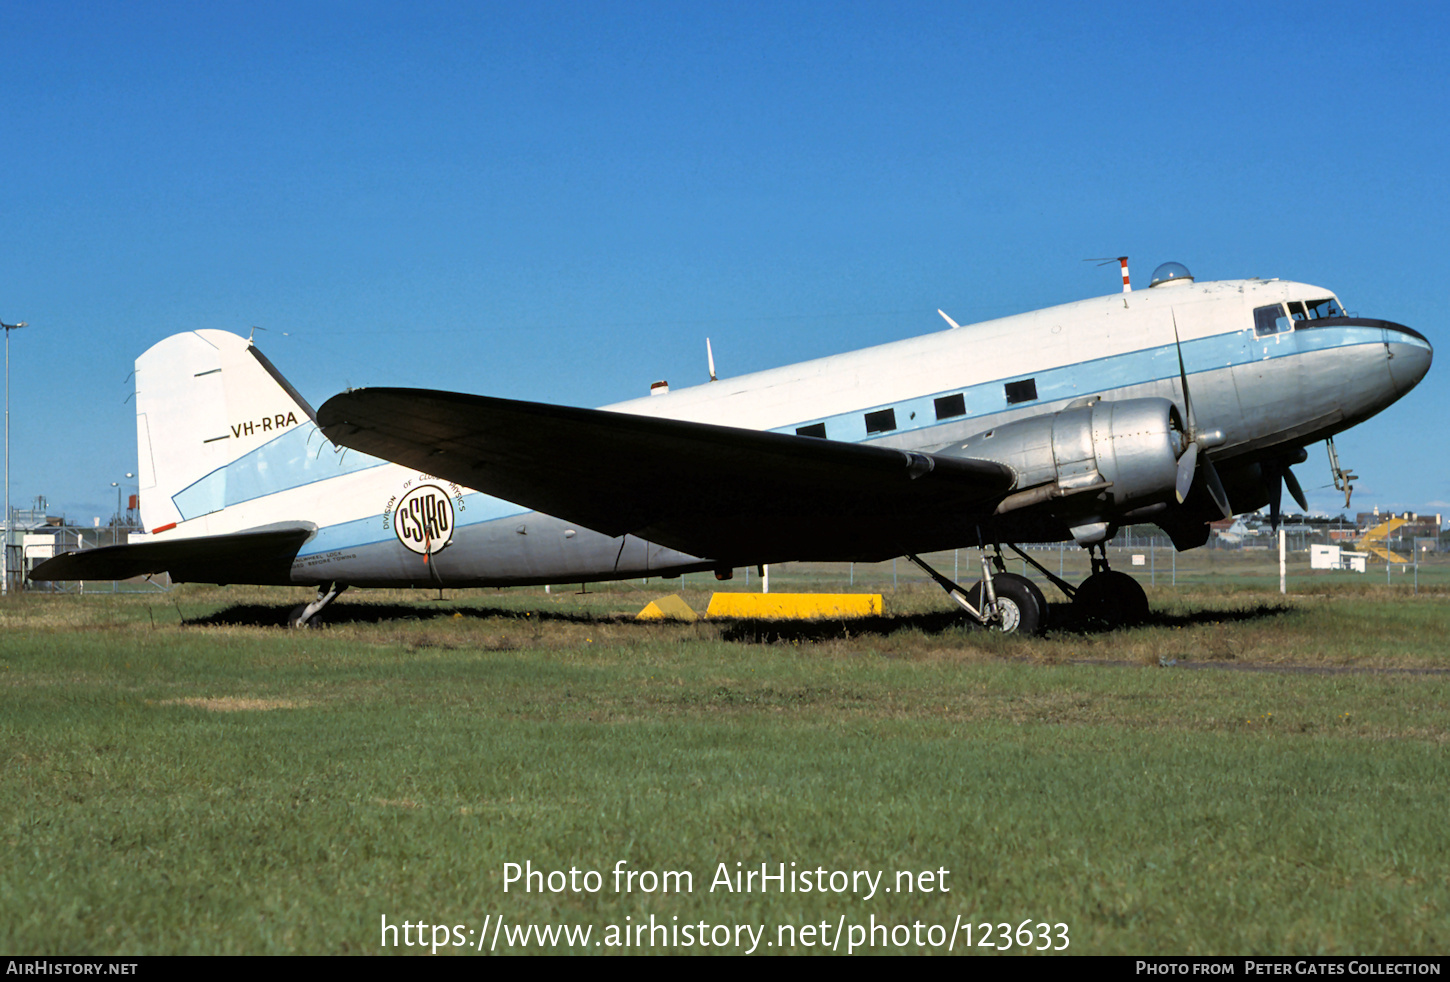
[(204, 399)]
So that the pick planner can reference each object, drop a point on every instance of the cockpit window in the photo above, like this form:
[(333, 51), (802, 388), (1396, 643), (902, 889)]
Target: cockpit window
[(1328, 307), (1296, 310), (1270, 320)]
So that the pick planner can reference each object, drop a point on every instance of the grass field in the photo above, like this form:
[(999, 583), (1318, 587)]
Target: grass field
[(1248, 773)]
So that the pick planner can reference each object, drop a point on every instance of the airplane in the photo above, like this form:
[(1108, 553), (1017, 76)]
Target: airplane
[(1175, 405)]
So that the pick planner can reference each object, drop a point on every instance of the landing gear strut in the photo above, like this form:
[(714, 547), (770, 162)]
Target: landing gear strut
[(1010, 603), (1003, 601), (305, 615)]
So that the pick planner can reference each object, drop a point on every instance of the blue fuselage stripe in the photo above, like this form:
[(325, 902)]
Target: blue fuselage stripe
[(1085, 378), (1135, 368)]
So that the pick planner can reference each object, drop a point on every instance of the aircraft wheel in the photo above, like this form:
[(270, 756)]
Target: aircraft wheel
[(294, 619), (1112, 598), (1022, 607)]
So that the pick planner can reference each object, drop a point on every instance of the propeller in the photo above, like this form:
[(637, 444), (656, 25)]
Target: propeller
[(1295, 491), (1198, 442), (1277, 476)]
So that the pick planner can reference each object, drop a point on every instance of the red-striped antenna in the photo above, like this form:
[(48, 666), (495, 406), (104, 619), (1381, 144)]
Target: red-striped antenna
[(1121, 261)]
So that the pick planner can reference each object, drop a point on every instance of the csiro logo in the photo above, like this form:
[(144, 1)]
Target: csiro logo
[(423, 520)]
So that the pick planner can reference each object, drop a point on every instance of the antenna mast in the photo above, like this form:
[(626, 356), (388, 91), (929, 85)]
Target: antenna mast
[(1121, 261)]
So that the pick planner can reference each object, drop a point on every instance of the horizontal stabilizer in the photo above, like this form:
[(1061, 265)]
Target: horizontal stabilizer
[(256, 556), (739, 496)]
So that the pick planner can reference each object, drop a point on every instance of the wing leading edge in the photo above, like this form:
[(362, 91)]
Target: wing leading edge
[(738, 496)]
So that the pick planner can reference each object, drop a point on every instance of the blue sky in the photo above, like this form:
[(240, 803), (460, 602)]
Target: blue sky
[(561, 201)]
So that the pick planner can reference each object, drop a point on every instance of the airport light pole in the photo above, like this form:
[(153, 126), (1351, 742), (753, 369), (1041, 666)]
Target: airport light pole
[(118, 486), (5, 552), (116, 523)]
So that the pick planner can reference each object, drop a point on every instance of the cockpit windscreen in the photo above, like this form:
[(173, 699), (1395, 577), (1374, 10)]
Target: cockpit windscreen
[(1328, 307)]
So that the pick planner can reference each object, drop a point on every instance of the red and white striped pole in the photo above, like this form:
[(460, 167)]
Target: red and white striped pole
[(1123, 262)]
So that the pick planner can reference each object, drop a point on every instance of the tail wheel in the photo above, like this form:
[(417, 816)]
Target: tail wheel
[(1021, 607), (1112, 598), (295, 618)]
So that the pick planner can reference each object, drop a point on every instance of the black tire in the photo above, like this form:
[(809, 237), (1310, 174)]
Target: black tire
[(1023, 607), (1111, 599)]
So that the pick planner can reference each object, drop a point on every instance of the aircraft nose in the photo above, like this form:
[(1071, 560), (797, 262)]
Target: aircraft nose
[(1409, 355)]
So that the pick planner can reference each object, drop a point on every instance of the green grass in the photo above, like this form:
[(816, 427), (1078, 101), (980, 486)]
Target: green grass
[(216, 786)]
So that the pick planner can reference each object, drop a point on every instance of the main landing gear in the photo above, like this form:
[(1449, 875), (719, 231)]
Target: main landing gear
[(1010, 603), (1003, 601), (305, 615), (1108, 598)]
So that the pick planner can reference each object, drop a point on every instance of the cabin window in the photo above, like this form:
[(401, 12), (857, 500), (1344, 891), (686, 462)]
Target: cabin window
[(1328, 307), (1270, 320), (881, 421), (1023, 391), (817, 430), (949, 406)]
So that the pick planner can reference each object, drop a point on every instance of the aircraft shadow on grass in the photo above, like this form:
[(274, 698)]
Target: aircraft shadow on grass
[(279, 615), (1064, 618)]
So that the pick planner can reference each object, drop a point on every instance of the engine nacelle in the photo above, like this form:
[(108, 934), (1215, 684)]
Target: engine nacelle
[(1127, 450)]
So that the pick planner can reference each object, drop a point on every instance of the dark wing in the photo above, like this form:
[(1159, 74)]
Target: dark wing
[(734, 495), (256, 556)]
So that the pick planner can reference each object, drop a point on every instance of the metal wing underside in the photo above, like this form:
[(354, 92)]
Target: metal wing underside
[(262, 556), (733, 495)]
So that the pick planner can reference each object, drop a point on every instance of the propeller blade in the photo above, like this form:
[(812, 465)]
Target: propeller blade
[(1215, 488), (1274, 484), (1183, 377), (1187, 465), (1295, 491)]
